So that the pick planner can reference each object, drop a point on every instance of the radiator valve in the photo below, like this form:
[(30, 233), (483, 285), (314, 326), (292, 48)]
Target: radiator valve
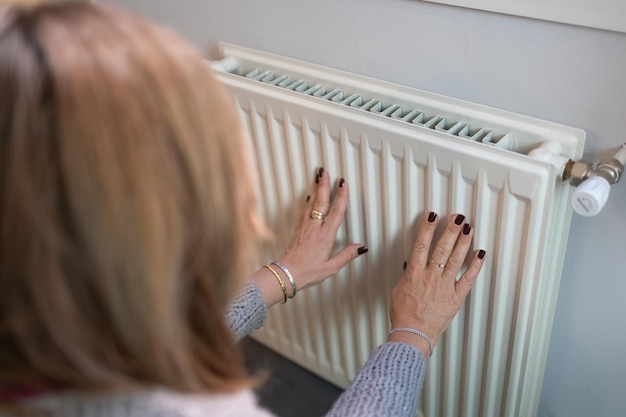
[(593, 185)]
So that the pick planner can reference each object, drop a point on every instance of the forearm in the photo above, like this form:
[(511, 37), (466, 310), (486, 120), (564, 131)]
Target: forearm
[(247, 311), (388, 385)]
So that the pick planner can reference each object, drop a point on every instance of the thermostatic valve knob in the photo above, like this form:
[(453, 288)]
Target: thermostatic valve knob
[(590, 196)]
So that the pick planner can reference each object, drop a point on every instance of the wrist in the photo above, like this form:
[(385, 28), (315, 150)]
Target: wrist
[(275, 282), (413, 323), (270, 289), (414, 337)]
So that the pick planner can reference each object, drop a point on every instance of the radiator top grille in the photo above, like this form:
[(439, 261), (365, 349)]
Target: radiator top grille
[(406, 106), (459, 128)]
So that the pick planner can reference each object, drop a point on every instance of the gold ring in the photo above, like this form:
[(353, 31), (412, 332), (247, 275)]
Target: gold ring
[(437, 263), (317, 215)]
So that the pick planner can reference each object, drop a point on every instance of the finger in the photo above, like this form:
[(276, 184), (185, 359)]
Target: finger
[(421, 248), (446, 243), (305, 213), (457, 257), (464, 284), (343, 257), (321, 195), (337, 212)]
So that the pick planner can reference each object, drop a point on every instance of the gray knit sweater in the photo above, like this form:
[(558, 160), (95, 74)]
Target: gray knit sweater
[(388, 384)]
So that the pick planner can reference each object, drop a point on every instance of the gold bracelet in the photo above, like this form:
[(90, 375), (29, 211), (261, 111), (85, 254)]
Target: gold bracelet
[(280, 281)]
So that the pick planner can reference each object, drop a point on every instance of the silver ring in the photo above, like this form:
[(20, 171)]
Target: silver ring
[(437, 263), (317, 215)]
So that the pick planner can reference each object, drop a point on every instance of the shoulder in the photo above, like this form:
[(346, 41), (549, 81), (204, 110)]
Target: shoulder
[(240, 403), (152, 403)]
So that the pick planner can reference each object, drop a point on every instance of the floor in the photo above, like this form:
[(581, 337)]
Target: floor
[(289, 390)]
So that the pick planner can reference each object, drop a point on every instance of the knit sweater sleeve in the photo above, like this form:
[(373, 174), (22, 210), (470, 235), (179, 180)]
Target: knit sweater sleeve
[(246, 312), (388, 385)]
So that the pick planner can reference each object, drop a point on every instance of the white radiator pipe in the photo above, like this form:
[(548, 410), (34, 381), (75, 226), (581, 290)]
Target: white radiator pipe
[(228, 64), (551, 151), (620, 155)]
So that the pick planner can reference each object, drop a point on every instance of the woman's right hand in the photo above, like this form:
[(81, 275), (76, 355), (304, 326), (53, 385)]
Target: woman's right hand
[(309, 255), (428, 296)]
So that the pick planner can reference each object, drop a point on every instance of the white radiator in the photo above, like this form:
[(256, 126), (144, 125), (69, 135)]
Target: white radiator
[(404, 153)]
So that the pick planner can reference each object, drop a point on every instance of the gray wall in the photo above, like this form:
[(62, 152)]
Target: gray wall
[(557, 72)]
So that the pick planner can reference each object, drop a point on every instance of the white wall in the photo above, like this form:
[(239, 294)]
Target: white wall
[(561, 73)]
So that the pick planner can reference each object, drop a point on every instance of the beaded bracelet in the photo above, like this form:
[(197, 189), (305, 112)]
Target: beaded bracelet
[(289, 276), (280, 282), (416, 332)]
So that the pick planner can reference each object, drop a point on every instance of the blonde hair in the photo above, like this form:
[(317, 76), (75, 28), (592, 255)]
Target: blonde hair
[(125, 207)]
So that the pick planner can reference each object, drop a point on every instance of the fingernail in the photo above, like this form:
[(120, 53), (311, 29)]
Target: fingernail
[(404, 266), (362, 250), (432, 216), (481, 254), (341, 182), (321, 172), (459, 219), (467, 229), (308, 197), (317, 179)]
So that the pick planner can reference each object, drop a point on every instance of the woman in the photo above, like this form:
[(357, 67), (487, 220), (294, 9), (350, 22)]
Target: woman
[(127, 223)]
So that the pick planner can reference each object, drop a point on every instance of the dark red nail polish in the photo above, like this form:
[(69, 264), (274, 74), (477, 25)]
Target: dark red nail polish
[(317, 179), (481, 254), (404, 266), (308, 197), (432, 216), (321, 173), (467, 229), (362, 250), (459, 219), (341, 183)]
